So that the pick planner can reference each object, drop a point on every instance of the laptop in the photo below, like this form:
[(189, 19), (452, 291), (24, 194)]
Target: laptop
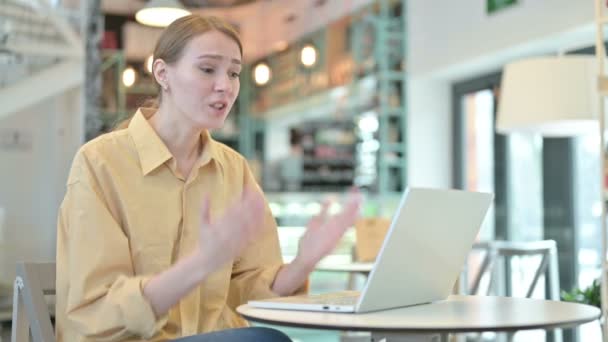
[(420, 259)]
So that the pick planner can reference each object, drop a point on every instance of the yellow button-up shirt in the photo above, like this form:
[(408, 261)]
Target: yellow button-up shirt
[(128, 214)]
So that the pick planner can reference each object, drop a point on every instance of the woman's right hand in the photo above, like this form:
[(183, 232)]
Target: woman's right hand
[(222, 239)]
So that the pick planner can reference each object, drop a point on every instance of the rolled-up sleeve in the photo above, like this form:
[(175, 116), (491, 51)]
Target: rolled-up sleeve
[(104, 299)]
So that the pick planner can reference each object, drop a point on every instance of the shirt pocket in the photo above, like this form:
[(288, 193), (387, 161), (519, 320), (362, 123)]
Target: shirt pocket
[(152, 258)]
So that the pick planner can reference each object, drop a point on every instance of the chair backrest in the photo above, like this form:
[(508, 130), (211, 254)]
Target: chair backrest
[(498, 251), (31, 314), (370, 233)]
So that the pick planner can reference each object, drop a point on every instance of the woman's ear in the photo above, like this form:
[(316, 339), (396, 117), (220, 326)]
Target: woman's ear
[(159, 69)]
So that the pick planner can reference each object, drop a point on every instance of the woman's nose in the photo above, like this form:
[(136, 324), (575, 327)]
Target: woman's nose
[(222, 83)]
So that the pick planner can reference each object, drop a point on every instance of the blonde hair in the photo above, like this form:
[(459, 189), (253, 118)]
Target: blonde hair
[(172, 42)]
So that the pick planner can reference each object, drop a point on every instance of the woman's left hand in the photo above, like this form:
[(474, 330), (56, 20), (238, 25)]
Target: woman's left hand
[(323, 231)]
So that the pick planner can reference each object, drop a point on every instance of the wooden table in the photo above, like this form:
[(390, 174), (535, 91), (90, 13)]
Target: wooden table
[(434, 321)]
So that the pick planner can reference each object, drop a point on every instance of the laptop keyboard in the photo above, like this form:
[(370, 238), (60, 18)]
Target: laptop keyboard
[(338, 298)]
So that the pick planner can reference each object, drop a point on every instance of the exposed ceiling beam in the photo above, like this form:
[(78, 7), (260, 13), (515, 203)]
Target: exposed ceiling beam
[(44, 49), (47, 83), (61, 25), (47, 32)]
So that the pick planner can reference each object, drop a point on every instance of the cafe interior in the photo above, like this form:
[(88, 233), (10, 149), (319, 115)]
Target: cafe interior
[(498, 96)]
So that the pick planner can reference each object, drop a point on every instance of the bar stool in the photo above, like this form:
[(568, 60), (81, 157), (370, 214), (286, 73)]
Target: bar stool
[(497, 251), (496, 264)]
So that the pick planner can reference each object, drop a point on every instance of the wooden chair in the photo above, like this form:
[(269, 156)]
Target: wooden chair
[(369, 234), (31, 314)]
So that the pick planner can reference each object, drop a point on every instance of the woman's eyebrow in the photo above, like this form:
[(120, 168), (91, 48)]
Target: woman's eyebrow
[(220, 57)]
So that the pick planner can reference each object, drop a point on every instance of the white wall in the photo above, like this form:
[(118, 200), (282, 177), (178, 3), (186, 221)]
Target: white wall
[(32, 179), (429, 133), (450, 41)]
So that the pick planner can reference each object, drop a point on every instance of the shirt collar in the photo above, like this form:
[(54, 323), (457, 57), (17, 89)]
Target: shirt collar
[(152, 150)]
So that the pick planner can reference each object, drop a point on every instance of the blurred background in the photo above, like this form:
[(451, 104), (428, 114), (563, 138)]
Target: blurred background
[(376, 94)]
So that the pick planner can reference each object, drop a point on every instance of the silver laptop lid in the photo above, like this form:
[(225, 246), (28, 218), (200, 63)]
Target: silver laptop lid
[(425, 248)]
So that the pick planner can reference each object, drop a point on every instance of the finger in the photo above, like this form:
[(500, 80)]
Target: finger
[(256, 208), (205, 211), (325, 208), (354, 195), (349, 214), (251, 199), (318, 220), (251, 196), (354, 202), (239, 204), (323, 213), (252, 210)]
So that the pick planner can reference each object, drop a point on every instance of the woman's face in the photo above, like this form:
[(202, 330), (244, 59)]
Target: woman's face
[(204, 83)]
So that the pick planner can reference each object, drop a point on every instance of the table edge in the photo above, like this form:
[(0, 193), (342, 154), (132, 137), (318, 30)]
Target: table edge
[(552, 326)]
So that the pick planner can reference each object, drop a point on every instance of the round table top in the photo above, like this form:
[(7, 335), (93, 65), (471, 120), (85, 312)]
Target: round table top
[(455, 314), (363, 267)]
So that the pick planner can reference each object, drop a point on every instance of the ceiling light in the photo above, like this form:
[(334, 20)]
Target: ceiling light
[(160, 13), (261, 74), (308, 55), (149, 62), (369, 122), (128, 77)]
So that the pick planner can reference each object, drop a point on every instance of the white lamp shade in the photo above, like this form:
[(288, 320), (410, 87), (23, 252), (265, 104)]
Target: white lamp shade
[(160, 13), (552, 96)]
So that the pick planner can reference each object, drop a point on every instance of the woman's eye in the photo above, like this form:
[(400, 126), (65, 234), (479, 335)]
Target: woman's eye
[(235, 74), (207, 70)]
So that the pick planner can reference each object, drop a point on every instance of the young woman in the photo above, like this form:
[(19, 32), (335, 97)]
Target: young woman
[(163, 232)]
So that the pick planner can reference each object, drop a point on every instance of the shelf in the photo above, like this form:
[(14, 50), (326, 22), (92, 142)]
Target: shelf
[(328, 162), (394, 147), (393, 163), (333, 177)]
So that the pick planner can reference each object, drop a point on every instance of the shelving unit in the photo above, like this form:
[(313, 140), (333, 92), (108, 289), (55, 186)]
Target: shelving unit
[(113, 99), (245, 122), (373, 51), (387, 63), (328, 155)]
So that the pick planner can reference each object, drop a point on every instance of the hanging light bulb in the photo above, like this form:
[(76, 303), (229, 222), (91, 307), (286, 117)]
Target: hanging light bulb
[(149, 62), (261, 74), (308, 55), (160, 13), (128, 77)]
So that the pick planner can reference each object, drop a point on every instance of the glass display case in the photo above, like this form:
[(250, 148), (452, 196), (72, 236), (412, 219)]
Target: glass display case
[(293, 210)]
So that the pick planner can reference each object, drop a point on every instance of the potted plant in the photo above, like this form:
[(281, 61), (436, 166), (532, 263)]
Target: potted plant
[(590, 295)]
